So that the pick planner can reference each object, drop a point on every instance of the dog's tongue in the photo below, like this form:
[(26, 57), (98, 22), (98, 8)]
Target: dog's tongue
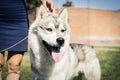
[(56, 56)]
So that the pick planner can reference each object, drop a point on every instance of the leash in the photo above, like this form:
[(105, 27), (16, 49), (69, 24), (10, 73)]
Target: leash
[(14, 44)]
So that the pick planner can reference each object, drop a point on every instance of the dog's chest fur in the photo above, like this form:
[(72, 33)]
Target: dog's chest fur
[(65, 69)]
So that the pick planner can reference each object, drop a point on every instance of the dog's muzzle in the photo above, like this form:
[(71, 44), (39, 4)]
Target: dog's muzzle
[(54, 50), (60, 41)]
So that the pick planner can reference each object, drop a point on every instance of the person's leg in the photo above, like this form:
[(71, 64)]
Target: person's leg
[(1, 63), (13, 62)]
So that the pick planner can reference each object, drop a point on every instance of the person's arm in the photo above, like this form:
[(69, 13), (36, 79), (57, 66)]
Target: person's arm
[(48, 4)]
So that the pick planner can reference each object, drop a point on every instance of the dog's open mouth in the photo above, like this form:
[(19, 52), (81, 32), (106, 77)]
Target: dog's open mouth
[(53, 50)]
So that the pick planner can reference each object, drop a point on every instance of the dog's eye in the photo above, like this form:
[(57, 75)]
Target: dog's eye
[(41, 27), (63, 30), (49, 29)]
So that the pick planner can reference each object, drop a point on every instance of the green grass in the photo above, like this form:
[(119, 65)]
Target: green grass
[(25, 68), (109, 60)]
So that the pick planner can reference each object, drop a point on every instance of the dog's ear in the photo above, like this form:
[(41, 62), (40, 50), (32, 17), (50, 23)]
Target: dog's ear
[(42, 12), (64, 14)]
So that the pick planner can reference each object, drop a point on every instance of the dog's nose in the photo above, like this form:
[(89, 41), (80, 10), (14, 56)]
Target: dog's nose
[(60, 41)]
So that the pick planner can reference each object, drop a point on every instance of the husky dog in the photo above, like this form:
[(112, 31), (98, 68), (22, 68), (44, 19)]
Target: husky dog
[(52, 57)]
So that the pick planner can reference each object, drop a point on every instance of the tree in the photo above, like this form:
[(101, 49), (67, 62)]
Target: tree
[(32, 4), (67, 4)]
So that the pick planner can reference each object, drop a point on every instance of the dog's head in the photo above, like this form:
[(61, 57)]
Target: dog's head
[(53, 30)]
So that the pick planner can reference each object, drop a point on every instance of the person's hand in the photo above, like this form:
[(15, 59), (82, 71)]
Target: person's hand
[(49, 5)]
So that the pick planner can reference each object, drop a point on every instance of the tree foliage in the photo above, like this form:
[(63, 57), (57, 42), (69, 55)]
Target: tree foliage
[(67, 4), (32, 4)]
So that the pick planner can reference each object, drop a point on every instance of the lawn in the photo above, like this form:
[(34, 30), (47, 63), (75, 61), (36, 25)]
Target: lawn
[(109, 60)]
